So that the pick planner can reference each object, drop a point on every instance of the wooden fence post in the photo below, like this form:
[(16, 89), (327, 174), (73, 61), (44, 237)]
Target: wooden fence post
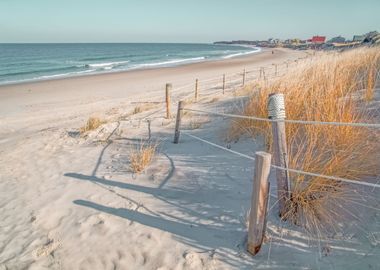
[(244, 77), (196, 90), (149, 130), (224, 83), (259, 202), (178, 122), (276, 111), (168, 88)]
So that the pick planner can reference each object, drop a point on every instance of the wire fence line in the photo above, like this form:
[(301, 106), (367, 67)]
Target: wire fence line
[(237, 77), (282, 168), (230, 78), (367, 125)]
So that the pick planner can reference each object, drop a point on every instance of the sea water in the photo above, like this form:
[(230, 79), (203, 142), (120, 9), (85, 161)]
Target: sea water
[(31, 62)]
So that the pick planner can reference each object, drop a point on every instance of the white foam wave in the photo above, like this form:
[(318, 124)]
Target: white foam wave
[(64, 74), (171, 62), (107, 65), (47, 77), (241, 53)]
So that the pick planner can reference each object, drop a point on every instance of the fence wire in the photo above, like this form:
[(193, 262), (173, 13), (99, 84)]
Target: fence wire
[(367, 125), (285, 169)]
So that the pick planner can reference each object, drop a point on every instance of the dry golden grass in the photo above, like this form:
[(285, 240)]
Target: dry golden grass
[(144, 107), (322, 90), (91, 124), (141, 156), (371, 80)]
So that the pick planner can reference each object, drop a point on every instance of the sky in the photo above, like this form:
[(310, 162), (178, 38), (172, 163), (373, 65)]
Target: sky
[(200, 21)]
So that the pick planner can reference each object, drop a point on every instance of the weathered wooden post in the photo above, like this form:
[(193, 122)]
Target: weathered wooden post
[(149, 130), (243, 78), (276, 111), (196, 90), (259, 202), (224, 83), (178, 122), (168, 88)]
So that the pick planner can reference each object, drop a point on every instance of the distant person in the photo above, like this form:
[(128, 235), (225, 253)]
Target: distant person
[(272, 52)]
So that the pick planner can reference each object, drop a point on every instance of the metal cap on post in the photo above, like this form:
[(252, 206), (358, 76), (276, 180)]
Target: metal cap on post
[(276, 111), (276, 106)]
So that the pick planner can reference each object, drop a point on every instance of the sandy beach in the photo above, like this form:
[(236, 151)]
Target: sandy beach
[(29, 107), (42, 227), (71, 202)]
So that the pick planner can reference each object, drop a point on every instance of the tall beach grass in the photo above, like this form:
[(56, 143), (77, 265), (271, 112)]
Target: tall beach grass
[(331, 87)]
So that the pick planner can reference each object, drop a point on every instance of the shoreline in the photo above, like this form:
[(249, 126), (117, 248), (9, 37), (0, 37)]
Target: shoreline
[(141, 66), (66, 102), (248, 60), (84, 74)]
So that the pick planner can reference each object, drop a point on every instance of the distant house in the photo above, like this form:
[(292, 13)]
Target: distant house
[(358, 38), (371, 37), (338, 39), (317, 39)]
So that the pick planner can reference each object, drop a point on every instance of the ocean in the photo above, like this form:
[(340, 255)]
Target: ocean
[(32, 62)]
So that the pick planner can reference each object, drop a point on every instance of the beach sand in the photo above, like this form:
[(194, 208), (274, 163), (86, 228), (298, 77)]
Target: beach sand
[(70, 202)]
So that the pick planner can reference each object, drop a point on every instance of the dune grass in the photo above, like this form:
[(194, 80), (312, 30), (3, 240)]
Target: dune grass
[(324, 89), (141, 156), (91, 124)]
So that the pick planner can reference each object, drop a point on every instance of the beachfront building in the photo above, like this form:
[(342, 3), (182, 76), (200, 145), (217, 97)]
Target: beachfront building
[(317, 39), (358, 38), (338, 39)]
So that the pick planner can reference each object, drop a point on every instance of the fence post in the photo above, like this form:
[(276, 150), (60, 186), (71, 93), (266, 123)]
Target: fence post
[(178, 122), (149, 130), (259, 202), (168, 88), (224, 83), (244, 77), (276, 111), (196, 90)]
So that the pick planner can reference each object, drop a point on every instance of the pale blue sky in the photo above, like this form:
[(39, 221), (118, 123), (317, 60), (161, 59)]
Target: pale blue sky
[(182, 21)]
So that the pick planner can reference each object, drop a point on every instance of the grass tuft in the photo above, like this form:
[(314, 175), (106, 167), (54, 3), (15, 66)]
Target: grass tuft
[(141, 156), (91, 124), (323, 90)]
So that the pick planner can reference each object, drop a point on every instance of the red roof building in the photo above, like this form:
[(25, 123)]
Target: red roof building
[(318, 39)]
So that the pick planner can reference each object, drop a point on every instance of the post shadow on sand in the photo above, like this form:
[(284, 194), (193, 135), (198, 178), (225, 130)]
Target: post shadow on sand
[(209, 238), (174, 193), (178, 198), (223, 235), (197, 234)]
